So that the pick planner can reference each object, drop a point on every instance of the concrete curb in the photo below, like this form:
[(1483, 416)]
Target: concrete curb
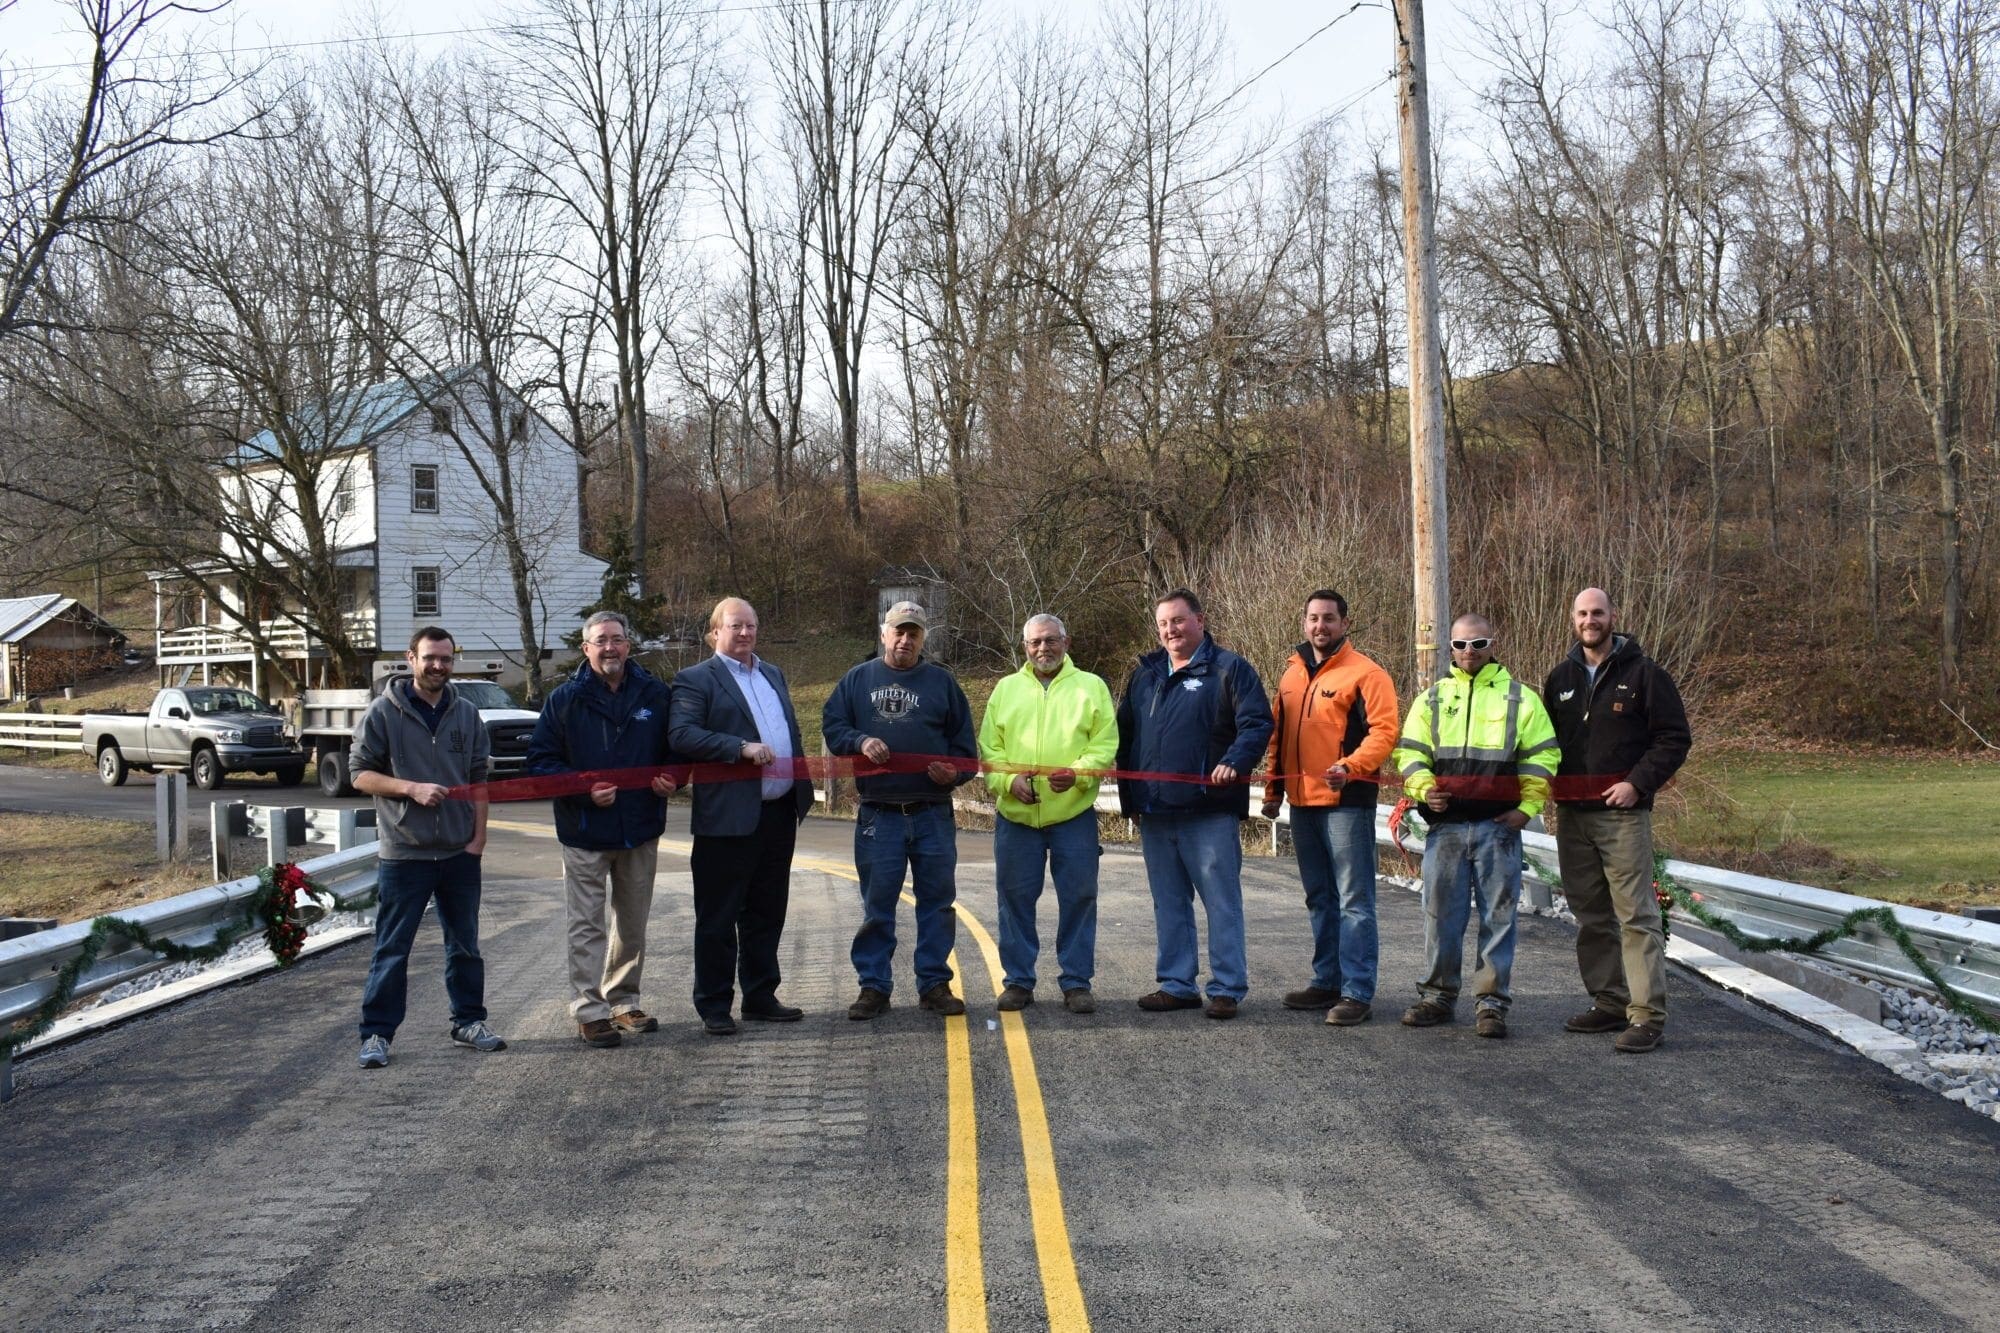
[(1888, 1049), (100, 1017)]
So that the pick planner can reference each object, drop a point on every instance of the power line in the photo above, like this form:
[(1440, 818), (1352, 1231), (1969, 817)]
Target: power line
[(1300, 45)]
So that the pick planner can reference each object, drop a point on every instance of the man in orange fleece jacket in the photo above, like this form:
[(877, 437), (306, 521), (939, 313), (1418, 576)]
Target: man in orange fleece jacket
[(1335, 718)]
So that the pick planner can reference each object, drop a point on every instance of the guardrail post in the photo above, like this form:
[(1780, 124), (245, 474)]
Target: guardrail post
[(6, 1078), (170, 798), (352, 830), (218, 843), (277, 832)]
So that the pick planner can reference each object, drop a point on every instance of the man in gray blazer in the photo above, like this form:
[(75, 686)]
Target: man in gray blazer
[(734, 708)]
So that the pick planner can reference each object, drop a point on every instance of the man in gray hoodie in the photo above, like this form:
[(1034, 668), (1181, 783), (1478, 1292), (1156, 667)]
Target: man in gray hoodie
[(418, 740)]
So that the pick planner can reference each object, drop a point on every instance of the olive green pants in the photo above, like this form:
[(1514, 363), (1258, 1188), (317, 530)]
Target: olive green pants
[(1607, 874)]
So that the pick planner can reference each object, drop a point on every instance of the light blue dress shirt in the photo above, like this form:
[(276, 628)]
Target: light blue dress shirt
[(769, 711)]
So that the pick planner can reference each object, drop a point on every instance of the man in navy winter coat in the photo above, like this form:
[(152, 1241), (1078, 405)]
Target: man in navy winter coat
[(611, 714), (1196, 708), (903, 703)]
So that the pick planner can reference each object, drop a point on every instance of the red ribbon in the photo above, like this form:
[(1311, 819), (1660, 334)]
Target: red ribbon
[(1577, 787)]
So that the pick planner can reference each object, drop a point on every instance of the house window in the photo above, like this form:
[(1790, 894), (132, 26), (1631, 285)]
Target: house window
[(343, 493), (517, 425), (441, 420), (427, 585), (424, 488)]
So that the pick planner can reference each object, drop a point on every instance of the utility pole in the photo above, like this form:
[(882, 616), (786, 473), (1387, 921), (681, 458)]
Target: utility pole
[(1426, 401)]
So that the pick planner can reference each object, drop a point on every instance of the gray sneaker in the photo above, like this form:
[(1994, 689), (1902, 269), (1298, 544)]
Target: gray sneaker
[(478, 1036), (374, 1052)]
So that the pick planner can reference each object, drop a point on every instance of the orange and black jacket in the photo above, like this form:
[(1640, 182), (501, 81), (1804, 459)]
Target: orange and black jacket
[(1337, 709)]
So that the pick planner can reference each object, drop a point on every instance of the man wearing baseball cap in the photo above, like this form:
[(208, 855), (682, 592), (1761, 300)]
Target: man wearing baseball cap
[(902, 703)]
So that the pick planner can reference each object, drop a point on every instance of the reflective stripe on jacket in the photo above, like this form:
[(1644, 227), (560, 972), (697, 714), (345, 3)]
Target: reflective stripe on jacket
[(1485, 739), (1070, 724)]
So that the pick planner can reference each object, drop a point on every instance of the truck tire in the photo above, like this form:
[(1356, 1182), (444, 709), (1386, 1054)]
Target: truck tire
[(291, 775), (111, 765), (333, 772), (205, 769)]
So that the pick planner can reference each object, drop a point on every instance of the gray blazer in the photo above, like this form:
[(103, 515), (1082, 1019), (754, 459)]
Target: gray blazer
[(708, 722)]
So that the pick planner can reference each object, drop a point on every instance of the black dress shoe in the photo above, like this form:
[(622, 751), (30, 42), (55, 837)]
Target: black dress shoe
[(775, 1013), (720, 1026)]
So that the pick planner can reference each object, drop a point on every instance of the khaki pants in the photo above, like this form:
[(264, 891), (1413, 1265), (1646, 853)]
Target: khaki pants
[(604, 965), (1607, 875)]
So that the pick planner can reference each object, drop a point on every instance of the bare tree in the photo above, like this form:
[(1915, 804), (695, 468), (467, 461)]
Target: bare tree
[(614, 99)]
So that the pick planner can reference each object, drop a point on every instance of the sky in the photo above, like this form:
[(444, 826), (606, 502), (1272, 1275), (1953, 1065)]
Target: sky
[(1343, 67)]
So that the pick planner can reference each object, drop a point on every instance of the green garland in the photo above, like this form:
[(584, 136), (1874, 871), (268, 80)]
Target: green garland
[(1667, 891), (1881, 916), (267, 910)]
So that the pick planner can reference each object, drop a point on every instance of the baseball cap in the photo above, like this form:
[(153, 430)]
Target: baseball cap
[(907, 613)]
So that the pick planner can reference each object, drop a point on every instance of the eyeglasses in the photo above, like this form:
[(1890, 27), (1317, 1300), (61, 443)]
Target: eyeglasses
[(1470, 645), (1048, 642), (607, 643)]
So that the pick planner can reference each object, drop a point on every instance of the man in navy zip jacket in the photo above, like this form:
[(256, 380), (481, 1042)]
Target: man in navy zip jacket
[(611, 714), (1192, 707), (903, 703)]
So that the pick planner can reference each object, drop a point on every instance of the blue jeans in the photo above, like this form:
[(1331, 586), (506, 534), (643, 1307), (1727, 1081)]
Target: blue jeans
[(885, 843), (1070, 850), (1336, 850), (404, 888), (1188, 855), (1478, 860)]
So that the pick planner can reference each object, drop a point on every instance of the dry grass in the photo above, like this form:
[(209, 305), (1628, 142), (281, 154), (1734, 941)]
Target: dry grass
[(72, 868)]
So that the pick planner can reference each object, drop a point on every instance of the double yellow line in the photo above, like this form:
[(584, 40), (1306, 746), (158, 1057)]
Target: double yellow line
[(965, 1276), (965, 1271)]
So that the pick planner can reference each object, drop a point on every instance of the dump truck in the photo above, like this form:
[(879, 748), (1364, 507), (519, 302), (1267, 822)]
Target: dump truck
[(327, 718)]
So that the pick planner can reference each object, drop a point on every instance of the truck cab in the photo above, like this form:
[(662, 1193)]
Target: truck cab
[(327, 719)]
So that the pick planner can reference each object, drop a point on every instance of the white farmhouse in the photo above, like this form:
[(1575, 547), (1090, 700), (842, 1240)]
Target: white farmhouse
[(417, 536)]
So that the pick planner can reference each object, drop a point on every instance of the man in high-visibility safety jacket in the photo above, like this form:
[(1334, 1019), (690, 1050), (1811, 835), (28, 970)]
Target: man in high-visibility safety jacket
[(1477, 751), (1052, 716)]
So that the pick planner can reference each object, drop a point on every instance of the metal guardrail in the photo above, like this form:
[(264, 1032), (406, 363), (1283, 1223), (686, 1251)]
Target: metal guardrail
[(29, 964), (41, 731)]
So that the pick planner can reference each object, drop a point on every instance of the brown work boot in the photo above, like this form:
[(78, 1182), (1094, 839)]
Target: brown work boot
[(1220, 1006), (1014, 998), (1310, 997), (871, 1003), (1162, 1001), (598, 1032), (1080, 1001), (1426, 1014), (1490, 1023), (1594, 1019), (939, 1000), (1348, 1012), (636, 1020), (1640, 1038)]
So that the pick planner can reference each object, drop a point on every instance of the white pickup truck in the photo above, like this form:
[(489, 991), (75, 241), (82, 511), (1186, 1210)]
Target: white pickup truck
[(327, 718)]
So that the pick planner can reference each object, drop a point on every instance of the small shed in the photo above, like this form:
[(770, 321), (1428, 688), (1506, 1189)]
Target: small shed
[(50, 641), (922, 584)]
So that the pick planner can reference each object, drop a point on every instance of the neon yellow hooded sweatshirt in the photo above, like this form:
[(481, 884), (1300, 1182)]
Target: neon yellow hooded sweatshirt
[(1070, 724)]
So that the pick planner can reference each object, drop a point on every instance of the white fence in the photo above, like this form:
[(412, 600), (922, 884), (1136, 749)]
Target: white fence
[(40, 731)]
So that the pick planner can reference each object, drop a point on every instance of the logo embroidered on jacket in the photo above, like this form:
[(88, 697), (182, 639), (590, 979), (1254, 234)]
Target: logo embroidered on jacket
[(894, 701), (1190, 684), (643, 715), (1565, 696), (457, 741), (1618, 706), (1329, 694)]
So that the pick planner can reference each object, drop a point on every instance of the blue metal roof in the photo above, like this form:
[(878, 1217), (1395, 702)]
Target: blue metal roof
[(347, 419)]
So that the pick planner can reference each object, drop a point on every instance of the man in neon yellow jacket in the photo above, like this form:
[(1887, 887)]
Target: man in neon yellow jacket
[(1055, 719), (1477, 752)]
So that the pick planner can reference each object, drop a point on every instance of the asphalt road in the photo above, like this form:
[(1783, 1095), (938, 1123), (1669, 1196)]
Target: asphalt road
[(224, 1164)]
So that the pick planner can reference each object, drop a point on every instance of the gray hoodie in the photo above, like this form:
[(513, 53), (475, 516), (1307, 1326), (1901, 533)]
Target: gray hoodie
[(391, 738)]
